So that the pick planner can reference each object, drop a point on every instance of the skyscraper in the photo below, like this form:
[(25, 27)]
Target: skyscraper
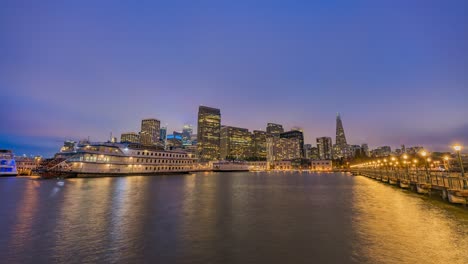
[(324, 146), (274, 129), (187, 131), (259, 144), (163, 133), (208, 133), (341, 144), (130, 137), (295, 134), (283, 149), (149, 131), (235, 143)]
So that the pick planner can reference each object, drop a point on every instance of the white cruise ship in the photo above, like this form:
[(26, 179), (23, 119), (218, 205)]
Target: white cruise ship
[(113, 159), (7, 163), (230, 166)]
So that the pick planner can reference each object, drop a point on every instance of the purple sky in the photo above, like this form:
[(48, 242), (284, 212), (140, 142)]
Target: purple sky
[(395, 70)]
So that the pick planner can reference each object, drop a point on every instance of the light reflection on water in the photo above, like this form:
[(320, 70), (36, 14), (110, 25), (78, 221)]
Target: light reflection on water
[(226, 218)]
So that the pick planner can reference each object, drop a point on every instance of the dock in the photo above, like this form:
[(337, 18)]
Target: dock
[(450, 186)]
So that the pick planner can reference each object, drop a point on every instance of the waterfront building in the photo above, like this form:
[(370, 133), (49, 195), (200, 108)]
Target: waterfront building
[(130, 137), (283, 149), (259, 149), (235, 143), (314, 153), (321, 165), (325, 148), (274, 129), (341, 144), (208, 133), (281, 165), (258, 165), (297, 135), (150, 129)]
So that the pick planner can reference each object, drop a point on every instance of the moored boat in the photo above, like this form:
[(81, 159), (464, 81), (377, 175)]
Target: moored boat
[(117, 159), (7, 163)]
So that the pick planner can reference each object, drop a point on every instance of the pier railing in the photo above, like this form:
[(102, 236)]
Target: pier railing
[(437, 179)]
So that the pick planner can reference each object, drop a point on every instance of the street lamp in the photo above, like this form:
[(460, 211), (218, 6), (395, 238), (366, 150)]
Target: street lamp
[(458, 150)]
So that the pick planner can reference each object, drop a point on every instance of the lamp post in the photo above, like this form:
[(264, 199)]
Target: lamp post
[(458, 150)]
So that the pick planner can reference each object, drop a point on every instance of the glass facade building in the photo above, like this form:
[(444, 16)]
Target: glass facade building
[(236, 143), (208, 133)]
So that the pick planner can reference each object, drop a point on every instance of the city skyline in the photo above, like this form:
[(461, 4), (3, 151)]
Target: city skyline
[(397, 75)]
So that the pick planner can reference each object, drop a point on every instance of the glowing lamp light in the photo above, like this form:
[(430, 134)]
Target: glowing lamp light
[(457, 147), (423, 153)]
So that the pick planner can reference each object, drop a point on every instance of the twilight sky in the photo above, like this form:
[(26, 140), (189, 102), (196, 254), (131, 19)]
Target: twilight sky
[(397, 71)]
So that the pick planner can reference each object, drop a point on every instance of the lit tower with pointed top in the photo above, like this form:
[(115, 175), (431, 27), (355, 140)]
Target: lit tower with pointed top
[(341, 144)]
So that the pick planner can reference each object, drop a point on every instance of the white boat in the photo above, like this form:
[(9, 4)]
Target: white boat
[(230, 166), (7, 163), (116, 159)]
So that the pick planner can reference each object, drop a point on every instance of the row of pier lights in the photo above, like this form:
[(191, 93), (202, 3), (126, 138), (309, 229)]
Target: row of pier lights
[(412, 163)]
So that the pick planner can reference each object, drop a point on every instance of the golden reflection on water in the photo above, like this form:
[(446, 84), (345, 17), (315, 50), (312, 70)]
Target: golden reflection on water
[(24, 218), (396, 226)]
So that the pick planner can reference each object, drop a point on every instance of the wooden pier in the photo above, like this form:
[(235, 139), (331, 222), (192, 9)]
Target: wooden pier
[(451, 187)]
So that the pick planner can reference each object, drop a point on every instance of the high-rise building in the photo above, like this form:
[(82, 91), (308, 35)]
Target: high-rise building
[(187, 131), (365, 149), (314, 153), (208, 133), (295, 134), (150, 131), (324, 147), (274, 129), (163, 133), (341, 144), (307, 150), (130, 137), (259, 144), (283, 149), (235, 143)]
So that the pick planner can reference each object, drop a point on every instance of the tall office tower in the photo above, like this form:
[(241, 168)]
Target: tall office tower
[(208, 133), (149, 131), (235, 143), (163, 133), (274, 129), (324, 146), (295, 134), (403, 149), (341, 144), (259, 144), (282, 149), (365, 149), (130, 137), (307, 151), (314, 154), (187, 131)]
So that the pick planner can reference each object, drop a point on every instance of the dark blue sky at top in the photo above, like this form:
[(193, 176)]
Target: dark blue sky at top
[(395, 70)]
